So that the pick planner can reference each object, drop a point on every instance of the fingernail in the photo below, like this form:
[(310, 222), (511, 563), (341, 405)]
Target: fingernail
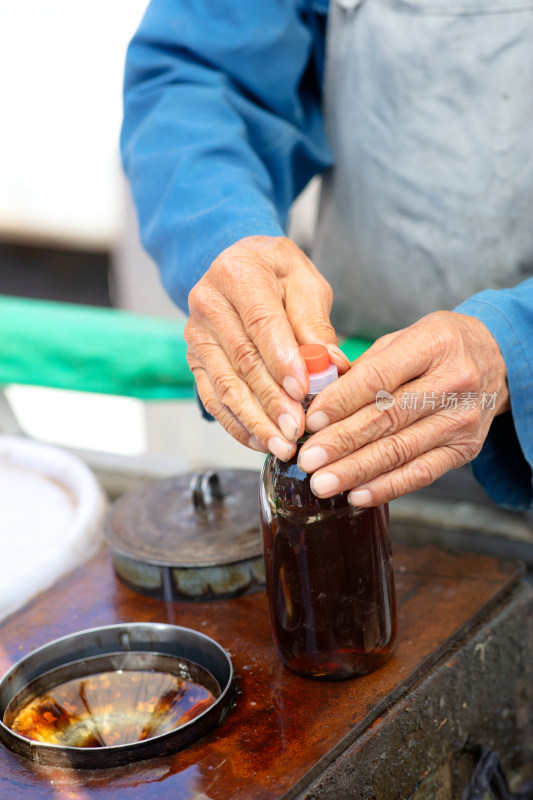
[(293, 388), (325, 484), (360, 497), (256, 445), (337, 351), (315, 422), (288, 427), (312, 459), (279, 448)]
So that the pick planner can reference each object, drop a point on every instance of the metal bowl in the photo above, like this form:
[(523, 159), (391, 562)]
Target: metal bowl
[(143, 643)]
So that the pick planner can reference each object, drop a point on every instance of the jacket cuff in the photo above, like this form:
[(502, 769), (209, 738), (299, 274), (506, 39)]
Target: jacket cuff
[(504, 465)]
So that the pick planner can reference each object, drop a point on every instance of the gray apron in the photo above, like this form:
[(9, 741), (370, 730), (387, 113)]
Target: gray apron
[(429, 109)]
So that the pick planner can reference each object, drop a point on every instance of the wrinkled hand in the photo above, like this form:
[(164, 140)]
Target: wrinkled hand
[(258, 301), (445, 358)]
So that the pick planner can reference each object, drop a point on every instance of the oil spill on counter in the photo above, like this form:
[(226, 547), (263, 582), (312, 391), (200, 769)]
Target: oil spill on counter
[(284, 729)]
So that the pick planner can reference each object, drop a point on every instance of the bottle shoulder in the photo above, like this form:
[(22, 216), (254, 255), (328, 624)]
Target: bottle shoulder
[(287, 489)]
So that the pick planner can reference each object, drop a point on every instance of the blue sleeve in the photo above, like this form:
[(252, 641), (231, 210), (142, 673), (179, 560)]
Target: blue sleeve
[(504, 465), (222, 125)]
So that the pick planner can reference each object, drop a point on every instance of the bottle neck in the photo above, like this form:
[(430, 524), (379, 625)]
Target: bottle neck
[(306, 402), (317, 382)]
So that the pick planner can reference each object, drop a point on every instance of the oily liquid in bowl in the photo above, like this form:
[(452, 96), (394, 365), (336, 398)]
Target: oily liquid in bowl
[(109, 707)]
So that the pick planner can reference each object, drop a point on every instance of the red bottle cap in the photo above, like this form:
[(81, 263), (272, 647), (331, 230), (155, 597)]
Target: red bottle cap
[(316, 357)]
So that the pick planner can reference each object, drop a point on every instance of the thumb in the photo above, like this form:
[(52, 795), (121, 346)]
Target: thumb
[(309, 319), (338, 358)]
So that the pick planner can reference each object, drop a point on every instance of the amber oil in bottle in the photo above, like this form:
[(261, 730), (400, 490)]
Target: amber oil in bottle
[(330, 580)]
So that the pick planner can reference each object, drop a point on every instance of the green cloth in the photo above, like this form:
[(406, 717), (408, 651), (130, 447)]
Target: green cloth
[(98, 350), (353, 348)]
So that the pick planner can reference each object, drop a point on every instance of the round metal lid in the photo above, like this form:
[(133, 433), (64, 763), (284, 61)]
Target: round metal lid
[(193, 520)]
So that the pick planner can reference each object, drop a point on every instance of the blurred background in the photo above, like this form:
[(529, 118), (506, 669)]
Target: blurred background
[(68, 229), (68, 233)]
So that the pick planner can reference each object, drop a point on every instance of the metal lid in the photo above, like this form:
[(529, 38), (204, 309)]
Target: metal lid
[(193, 520)]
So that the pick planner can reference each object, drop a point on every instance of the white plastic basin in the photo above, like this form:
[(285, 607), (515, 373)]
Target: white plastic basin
[(51, 514)]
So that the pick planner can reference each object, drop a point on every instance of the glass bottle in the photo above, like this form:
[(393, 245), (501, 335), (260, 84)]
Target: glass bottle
[(329, 573)]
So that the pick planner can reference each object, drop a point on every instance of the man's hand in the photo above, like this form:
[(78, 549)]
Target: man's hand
[(258, 301), (448, 379)]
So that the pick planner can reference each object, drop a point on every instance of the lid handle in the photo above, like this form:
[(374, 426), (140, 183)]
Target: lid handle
[(205, 488)]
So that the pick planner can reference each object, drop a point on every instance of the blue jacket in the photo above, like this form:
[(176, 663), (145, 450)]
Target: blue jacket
[(223, 128)]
